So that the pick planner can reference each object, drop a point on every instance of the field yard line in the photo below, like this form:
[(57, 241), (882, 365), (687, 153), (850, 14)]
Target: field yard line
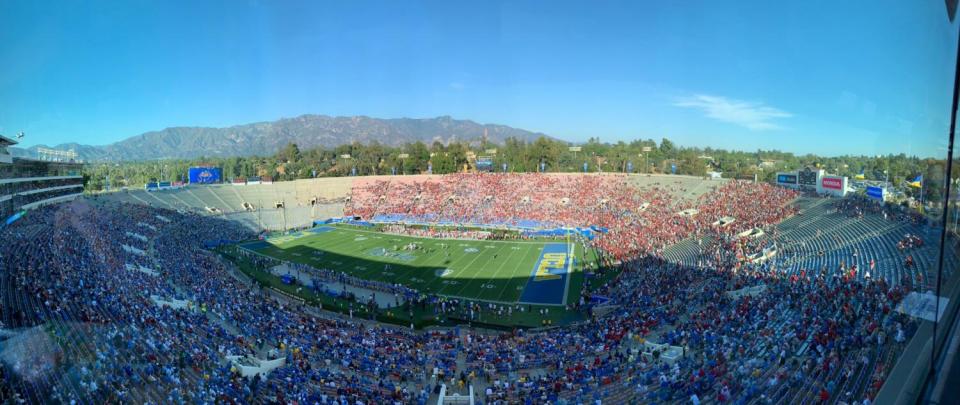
[(527, 274), (507, 286), (342, 239), (467, 267), (450, 266), (437, 279), (570, 270), (371, 273), (345, 238), (337, 242), (419, 262), (504, 290), (472, 278)]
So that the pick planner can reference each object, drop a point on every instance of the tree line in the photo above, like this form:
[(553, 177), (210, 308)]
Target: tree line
[(638, 156)]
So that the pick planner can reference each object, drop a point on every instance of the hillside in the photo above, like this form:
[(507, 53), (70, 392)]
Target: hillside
[(307, 131)]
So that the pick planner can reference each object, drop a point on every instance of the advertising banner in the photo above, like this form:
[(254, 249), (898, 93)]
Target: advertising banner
[(786, 178), (485, 164), (832, 183), (205, 175), (875, 193)]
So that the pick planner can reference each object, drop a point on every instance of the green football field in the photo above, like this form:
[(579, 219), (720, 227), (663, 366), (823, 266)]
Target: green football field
[(544, 272)]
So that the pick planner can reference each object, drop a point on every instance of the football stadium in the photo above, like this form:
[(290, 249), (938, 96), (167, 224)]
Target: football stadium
[(582, 285), (495, 271), (741, 203)]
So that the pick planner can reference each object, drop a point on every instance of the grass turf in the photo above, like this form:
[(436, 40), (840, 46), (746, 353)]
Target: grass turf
[(478, 270), (419, 316)]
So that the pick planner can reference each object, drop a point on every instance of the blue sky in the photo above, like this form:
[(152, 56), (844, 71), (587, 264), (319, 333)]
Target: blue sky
[(828, 77)]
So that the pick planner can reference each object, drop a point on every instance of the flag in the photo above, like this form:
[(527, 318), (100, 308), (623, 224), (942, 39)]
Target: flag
[(917, 182)]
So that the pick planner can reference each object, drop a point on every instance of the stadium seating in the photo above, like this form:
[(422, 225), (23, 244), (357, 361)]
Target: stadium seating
[(327, 196), (809, 328)]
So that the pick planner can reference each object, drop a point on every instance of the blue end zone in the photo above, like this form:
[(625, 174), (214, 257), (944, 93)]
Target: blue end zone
[(320, 229), (549, 277), (257, 245)]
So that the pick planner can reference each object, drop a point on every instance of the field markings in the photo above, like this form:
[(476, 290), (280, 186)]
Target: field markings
[(307, 242), (434, 278), (353, 254), (415, 267), (477, 272), (346, 241), (332, 242), (526, 279), (453, 265), (462, 269), (571, 253)]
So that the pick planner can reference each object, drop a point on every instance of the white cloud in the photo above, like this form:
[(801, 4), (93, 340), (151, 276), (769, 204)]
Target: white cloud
[(751, 115)]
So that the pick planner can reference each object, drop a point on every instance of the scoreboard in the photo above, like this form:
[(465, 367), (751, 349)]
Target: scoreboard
[(484, 164), (205, 175), (807, 177)]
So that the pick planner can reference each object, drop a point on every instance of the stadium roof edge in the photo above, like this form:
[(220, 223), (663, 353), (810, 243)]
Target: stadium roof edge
[(7, 141)]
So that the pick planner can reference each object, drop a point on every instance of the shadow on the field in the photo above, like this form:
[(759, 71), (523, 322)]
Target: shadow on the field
[(479, 281)]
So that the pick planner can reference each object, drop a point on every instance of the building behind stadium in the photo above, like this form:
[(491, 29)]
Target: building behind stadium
[(30, 183)]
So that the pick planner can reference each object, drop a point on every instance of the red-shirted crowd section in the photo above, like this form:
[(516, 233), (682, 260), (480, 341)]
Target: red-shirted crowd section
[(638, 221)]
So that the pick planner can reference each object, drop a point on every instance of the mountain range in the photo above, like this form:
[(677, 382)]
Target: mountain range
[(307, 131)]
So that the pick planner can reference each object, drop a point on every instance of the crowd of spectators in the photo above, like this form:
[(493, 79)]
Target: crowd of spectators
[(433, 232), (910, 241), (93, 274), (633, 221), (858, 206)]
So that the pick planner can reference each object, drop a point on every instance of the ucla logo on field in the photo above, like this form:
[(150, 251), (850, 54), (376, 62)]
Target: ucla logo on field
[(552, 267), (549, 276)]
